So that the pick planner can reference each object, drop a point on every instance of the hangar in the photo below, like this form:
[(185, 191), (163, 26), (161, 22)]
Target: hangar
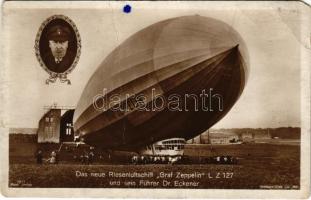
[(56, 126)]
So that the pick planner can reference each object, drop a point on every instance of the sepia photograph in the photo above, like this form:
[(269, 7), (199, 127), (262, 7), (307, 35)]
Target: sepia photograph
[(176, 98)]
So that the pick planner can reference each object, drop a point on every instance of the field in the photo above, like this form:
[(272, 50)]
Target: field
[(260, 166)]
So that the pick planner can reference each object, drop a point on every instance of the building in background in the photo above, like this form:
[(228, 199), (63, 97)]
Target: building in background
[(255, 134), (216, 137), (265, 134), (66, 127), (200, 139), (49, 127), (55, 127), (224, 139), (247, 136)]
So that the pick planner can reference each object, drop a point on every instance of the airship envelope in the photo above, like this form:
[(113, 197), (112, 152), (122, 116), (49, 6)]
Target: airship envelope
[(192, 69)]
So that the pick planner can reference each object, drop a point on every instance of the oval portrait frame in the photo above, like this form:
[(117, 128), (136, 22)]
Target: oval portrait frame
[(61, 75)]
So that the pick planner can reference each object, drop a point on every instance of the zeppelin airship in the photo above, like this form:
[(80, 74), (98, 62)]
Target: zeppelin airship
[(167, 83)]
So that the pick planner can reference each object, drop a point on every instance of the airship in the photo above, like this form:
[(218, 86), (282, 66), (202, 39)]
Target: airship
[(164, 85)]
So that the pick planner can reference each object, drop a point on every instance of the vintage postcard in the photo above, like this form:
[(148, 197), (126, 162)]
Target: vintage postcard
[(191, 99)]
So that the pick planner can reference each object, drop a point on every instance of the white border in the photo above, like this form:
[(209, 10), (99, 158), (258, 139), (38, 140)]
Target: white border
[(304, 191)]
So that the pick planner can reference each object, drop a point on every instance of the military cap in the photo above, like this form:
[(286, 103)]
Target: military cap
[(58, 33)]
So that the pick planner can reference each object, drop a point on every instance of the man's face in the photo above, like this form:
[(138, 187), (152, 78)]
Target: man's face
[(58, 49)]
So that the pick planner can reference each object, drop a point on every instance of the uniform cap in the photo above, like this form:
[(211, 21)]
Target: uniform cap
[(58, 33)]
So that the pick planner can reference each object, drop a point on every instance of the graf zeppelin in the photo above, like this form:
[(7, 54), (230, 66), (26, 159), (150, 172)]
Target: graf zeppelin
[(181, 175)]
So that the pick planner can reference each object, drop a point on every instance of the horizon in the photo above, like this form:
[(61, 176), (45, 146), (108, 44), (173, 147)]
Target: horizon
[(289, 127)]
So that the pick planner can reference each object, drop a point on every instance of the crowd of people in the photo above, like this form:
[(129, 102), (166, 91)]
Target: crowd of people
[(52, 159), (221, 160), (149, 159), (88, 157), (85, 158)]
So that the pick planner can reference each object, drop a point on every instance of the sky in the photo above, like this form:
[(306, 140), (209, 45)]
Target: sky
[(277, 35)]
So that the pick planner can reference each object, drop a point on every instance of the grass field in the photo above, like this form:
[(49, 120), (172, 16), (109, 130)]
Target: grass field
[(260, 166)]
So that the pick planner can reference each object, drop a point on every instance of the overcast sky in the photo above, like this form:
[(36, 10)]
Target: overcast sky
[(272, 32)]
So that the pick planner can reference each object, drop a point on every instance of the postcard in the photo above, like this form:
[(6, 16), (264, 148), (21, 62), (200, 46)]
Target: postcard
[(155, 99)]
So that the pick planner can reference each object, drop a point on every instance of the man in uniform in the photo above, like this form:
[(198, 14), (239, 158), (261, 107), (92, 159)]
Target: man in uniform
[(39, 156), (59, 58)]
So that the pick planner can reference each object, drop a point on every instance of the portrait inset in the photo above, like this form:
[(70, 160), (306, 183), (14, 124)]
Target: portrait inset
[(58, 47)]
